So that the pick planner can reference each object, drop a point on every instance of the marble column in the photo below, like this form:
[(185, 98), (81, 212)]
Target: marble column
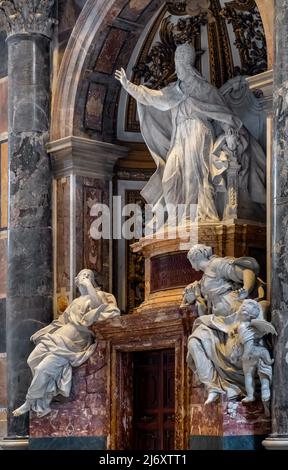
[(29, 292), (279, 207)]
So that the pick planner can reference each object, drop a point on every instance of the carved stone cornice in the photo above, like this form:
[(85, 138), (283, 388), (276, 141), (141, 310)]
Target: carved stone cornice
[(264, 82), (27, 17), (84, 157)]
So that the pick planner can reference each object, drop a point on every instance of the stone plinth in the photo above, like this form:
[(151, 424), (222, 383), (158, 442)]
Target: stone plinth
[(81, 421), (226, 425), (99, 412), (167, 270)]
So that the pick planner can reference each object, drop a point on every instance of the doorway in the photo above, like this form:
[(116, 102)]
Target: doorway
[(154, 400)]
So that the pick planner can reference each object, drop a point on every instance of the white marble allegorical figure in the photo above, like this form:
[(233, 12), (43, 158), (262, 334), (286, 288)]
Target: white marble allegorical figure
[(67, 342), (180, 125), (225, 283)]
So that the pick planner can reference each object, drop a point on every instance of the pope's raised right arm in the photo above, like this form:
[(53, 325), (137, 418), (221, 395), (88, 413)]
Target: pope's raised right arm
[(142, 94)]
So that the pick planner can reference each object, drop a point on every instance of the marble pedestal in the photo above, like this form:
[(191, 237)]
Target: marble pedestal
[(167, 270), (226, 425), (99, 413)]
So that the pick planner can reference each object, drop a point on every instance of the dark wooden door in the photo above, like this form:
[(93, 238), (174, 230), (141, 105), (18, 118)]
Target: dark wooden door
[(154, 400)]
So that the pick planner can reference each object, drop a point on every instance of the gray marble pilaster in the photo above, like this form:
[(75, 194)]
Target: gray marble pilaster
[(279, 206), (29, 292)]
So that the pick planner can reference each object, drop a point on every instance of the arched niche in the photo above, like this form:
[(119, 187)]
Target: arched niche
[(103, 38)]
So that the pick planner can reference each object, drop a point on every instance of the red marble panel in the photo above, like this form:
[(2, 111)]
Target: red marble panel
[(3, 264), (134, 9), (84, 413), (171, 270), (93, 256), (3, 422), (111, 48), (63, 234), (94, 106), (95, 383), (228, 418), (206, 420), (3, 105), (240, 419), (198, 393), (97, 361), (95, 252), (98, 424)]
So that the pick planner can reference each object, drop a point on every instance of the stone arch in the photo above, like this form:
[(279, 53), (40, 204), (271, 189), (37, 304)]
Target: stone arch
[(95, 15), (91, 19)]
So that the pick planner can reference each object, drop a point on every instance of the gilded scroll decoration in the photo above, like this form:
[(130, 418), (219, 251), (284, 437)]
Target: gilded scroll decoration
[(250, 38), (158, 70)]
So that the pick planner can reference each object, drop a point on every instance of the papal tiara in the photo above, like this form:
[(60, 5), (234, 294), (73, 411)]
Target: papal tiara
[(185, 53)]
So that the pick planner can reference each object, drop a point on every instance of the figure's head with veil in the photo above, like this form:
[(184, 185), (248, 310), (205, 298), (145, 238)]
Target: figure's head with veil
[(81, 281)]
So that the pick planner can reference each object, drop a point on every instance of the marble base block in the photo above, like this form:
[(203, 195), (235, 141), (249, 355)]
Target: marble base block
[(81, 415), (227, 425)]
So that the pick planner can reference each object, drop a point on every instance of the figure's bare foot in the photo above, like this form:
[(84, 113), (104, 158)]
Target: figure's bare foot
[(22, 409), (248, 399), (213, 396)]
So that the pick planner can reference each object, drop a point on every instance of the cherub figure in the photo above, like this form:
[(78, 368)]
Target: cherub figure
[(256, 358)]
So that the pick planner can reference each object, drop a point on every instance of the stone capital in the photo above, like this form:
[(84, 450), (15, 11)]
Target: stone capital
[(84, 157), (27, 17), (263, 82)]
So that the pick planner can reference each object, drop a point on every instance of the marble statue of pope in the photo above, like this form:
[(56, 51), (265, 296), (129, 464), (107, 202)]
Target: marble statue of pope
[(180, 125)]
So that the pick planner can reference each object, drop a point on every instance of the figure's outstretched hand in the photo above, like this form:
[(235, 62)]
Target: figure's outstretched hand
[(121, 76)]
